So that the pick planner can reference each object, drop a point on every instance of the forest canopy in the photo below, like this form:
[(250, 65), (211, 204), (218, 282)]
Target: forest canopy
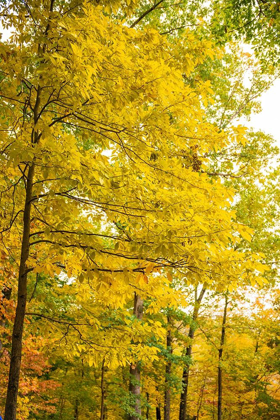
[(139, 211)]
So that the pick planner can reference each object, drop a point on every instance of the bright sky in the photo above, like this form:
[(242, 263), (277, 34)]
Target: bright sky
[(269, 119)]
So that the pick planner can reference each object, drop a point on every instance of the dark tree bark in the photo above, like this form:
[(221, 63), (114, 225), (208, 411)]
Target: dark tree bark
[(6, 295), (135, 375), (12, 392), (167, 392), (16, 351), (103, 393), (220, 369), (76, 412), (146, 13), (148, 407), (158, 413), (188, 352)]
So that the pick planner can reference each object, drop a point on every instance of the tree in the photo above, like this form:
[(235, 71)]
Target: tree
[(105, 172), (220, 369), (188, 350)]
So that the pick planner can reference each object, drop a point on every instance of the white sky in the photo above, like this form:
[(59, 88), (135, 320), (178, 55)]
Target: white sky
[(268, 120)]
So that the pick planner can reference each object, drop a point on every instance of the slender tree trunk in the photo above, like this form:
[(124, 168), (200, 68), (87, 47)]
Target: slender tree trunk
[(76, 413), (135, 389), (148, 407), (6, 292), (220, 377), (103, 393), (12, 392), (16, 352), (158, 413), (185, 380), (135, 375), (167, 392), (188, 352)]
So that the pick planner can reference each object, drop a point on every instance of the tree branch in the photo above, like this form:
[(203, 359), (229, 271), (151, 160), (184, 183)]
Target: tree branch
[(146, 13)]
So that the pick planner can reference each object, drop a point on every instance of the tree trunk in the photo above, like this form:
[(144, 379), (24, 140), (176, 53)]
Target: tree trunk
[(103, 393), (12, 392), (76, 413), (167, 392), (6, 292), (220, 378), (16, 352), (185, 380), (158, 414), (148, 407), (186, 370), (135, 376)]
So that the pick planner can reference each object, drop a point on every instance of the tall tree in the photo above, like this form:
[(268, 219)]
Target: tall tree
[(220, 367), (135, 375), (188, 353), (168, 370)]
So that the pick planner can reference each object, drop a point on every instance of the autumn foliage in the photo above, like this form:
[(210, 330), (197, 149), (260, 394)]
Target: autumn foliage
[(139, 217)]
